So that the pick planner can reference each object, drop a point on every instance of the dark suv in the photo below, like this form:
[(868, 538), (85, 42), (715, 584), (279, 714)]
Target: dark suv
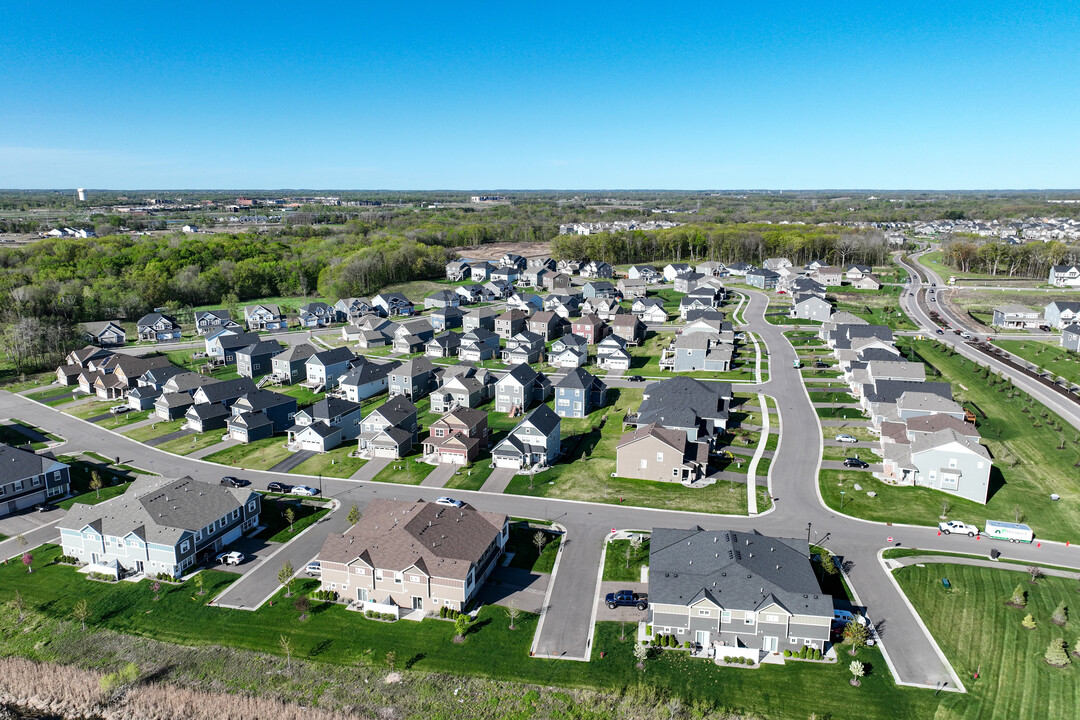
[(855, 463), (234, 481), (279, 487)]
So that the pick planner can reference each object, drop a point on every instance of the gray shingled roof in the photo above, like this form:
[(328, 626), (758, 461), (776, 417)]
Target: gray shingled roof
[(16, 464)]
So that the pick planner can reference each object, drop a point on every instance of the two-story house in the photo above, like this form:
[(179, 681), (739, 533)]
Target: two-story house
[(457, 437), (325, 425), (290, 366), (520, 388), (256, 359), (535, 441), (547, 325), (568, 352), (578, 394), (209, 321), (156, 327), (443, 346), (222, 346), (446, 318), (261, 414), (483, 317), (104, 334), (525, 347), (264, 317), (510, 323), (366, 379), (462, 385), (28, 479), (323, 368), (316, 315), (390, 430), (590, 327), (478, 345), (651, 452), (413, 379), (394, 303)]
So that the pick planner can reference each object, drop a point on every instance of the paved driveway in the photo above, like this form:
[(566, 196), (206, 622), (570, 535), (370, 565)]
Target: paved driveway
[(507, 585), (498, 480), (154, 442), (293, 461), (440, 475), (628, 614)]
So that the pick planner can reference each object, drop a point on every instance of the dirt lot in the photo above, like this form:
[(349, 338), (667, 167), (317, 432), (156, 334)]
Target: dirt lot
[(497, 250)]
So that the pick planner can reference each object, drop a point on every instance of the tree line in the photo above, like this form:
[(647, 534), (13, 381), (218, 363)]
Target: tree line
[(996, 257)]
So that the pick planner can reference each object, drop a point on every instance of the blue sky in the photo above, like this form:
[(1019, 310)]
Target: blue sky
[(938, 95)]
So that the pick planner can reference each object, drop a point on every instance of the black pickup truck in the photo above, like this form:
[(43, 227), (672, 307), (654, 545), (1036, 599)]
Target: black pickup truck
[(627, 598)]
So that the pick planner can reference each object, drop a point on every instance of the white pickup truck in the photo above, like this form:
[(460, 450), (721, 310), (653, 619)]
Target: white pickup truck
[(955, 526)]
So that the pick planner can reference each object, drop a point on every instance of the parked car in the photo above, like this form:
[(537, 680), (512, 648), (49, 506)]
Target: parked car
[(843, 617), (940, 331), (313, 568), (855, 463), (636, 378), (955, 526), (234, 481), (119, 409), (819, 364), (305, 490), (965, 334), (450, 502), (846, 439), (234, 557), (279, 487), (627, 598)]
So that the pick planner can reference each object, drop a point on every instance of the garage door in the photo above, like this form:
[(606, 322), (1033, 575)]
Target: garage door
[(313, 445), (384, 452), (507, 462), (453, 458)]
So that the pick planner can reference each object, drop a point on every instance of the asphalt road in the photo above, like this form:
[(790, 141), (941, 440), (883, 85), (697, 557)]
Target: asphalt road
[(913, 656)]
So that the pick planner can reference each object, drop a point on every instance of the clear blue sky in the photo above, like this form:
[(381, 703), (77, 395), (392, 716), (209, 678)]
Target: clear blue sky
[(939, 95)]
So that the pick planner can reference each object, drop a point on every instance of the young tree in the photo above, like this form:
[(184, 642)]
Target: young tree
[(199, 584), (539, 540), (81, 612), (18, 605), (1035, 572), (391, 660), (1028, 621), (828, 564), (513, 613), (284, 577), (27, 560), (856, 634), (21, 541), (290, 517), (114, 683), (636, 541), (1061, 614), (285, 643), (303, 606), (155, 587), (354, 515), (1019, 597), (461, 626), (95, 483), (622, 630), (1056, 654), (858, 670), (641, 653)]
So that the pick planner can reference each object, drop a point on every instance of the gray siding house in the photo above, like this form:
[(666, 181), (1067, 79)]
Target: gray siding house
[(28, 479), (578, 394)]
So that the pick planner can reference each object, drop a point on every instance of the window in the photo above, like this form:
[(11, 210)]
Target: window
[(674, 472), (251, 506), (793, 641), (36, 481), (184, 546), (725, 616), (702, 612), (682, 631), (236, 513), (772, 618), (643, 464), (659, 457), (360, 571), (952, 462), (378, 575), (414, 578), (748, 619)]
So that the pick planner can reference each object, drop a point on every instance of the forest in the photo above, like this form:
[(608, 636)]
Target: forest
[(995, 257)]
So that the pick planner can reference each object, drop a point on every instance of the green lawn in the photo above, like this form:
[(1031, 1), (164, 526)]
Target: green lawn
[(115, 481), (335, 463), (979, 633), (155, 429), (834, 452), (645, 360), (277, 527), (190, 443), (472, 477), (50, 396), (491, 649), (124, 419), (526, 555), (1048, 356), (11, 435), (304, 396), (91, 409), (841, 413), (407, 471), (258, 455), (877, 311), (617, 567)]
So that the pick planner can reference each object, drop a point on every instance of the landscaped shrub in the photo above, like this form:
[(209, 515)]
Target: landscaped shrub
[(787, 653), (325, 595), (817, 654), (67, 560), (388, 616), (802, 653), (442, 611), (686, 644)]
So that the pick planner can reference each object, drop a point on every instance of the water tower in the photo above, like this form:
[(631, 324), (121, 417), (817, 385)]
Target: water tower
[(81, 193)]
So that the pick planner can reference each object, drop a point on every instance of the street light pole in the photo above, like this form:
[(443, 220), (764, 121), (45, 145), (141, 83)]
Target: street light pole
[(807, 534), (841, 501)]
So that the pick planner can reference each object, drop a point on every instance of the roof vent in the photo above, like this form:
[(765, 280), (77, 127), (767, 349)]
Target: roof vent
[(715, 538), (717, 554), (777, 567)]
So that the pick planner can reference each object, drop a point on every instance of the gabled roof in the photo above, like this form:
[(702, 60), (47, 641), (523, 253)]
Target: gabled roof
[(542, 418), (296, 353), (263, 347), (581, 379), (332, 356), (931, 441), (367, 372), (415, 367), (239, 340), (521, 373), (16, 464), (227, 389), (263, 399), (395, 410)]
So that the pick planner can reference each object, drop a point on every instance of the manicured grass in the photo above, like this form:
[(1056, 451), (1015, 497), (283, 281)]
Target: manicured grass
[(304, 396), (616, 567), (190, 443), (471, 478), (155, 429), (645, 361), (834, 452), (1049, 357), (809, 372), (115, 482), (335, 463), (979, 633), (408, 471), (877, 311), (278, 528), (335, 635), (259, 455), (55, 396), (11, 435), (841, 413), (526, 555), (859, 432), (114, 422), (92, 409)]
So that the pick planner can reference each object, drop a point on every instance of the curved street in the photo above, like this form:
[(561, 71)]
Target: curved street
[(913, 656)]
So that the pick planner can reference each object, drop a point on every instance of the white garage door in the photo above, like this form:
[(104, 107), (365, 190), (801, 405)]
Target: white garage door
[(454, 458), (384, 452), (507, 462)]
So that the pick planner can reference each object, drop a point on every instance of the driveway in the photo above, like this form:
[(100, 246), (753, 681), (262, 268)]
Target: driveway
[(440, 475), (293, 461), (629, 614), (498, 480), (154, 442), (507, 585)]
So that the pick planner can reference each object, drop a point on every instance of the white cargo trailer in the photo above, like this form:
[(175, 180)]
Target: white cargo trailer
[(1013, 532)]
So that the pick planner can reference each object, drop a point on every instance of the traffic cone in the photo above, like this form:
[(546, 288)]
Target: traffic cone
[(939, 533)]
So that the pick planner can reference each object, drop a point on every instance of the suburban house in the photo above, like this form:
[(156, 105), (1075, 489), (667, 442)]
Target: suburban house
[(590, 327), (1070, 338), (568, 352), (534, 276), (221, 348), (948, 460), (700, 409), (112, 376), (610, 344), (525, 347), (674, 270), (478, 345), (1061, 314), (547, 325), (698, 351), (390, 430), (155, 327), (390, 560), (1015, 316), (867, 282), (411, 335), (225, 392), (479, 318), (603, 308), (462, 385), (457, 437), (650, 310), (578, 394), (365, 380), (391, 304), (510, 323), (711, 268), (441, 299), (446, 318), (104, 334), (811, 307), (762, 279), (630, 288), (777, 264), (529, 302), (28, 479), (692, 304), (497, 290), (513, 260), (629, 328), (520, 388), (598, 289), (535, 441), (508, 275), (1064, 275), (264, 317), (443, 346), (829, 276), (457, 270), (323, 368), (206, 417), (325, 425), (471, 293), (616, 359), (651, 452), (352, 309), (413, 379), (78, 361), (644, 272), (316, 315), (556, 281), (290, 366), (261, 414), (597, 269), (686, 282), (160, 525), (481, 271), (739, 269), (854, 271), (736, 589), (256, 359)]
